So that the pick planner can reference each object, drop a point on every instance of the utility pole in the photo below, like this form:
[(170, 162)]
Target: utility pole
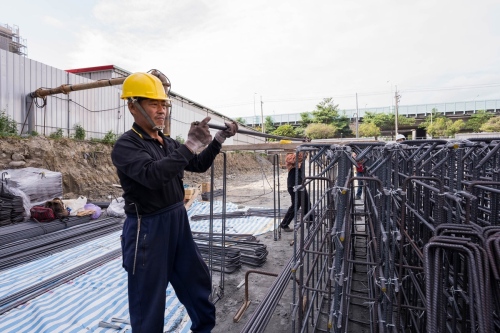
[(396, 97), (262, 113), (357, 117)]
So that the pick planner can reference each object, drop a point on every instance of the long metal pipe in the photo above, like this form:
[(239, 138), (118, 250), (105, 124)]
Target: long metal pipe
[(254, 133)]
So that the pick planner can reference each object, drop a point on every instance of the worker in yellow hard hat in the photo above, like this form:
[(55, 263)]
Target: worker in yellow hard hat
[(157, 244)]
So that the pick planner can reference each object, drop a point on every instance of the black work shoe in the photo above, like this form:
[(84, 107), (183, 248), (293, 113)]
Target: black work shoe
[(358, 198), (286, 229)]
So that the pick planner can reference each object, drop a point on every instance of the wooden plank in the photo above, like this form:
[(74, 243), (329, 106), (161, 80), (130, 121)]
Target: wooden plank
[(188, 203)]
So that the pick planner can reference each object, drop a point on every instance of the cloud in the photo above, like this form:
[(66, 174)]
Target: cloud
[(221, 52), (52, 21)]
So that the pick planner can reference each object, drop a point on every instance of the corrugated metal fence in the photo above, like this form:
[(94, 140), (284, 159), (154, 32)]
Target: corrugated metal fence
[(97, 111)]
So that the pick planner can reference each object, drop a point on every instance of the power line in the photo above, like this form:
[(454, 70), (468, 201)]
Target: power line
[(361, 94)]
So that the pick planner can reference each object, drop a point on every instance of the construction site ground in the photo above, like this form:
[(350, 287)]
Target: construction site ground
[(254, 190), (87, 170)]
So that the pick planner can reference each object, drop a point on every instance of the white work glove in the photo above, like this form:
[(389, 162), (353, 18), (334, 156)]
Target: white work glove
[(199, 135), (231, 129)]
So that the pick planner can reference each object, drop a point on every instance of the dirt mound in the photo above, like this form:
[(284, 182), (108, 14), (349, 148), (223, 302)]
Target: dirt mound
[(87, 169)]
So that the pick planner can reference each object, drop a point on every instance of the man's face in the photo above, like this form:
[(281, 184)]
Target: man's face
[(156, 109)]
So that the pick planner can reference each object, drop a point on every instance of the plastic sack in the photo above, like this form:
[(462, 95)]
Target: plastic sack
[(75, 205), (96, 209), (117, 207)]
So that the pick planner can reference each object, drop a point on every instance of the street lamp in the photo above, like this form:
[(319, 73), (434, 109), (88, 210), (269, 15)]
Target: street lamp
[(475, 103), (357, 124), (357, 117), (254, 114)]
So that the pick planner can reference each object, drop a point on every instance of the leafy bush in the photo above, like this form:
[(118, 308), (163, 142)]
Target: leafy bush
[(492, 125), (285, 130), (110, 137), (8, 126), (368, 130), (320, 131), (79, 132), (57, 134), (444, 127), (478, 119)]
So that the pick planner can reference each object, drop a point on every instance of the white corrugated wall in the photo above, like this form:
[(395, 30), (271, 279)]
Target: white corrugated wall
[(98, 110)]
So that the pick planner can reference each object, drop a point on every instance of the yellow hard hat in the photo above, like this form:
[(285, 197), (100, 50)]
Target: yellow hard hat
[(143, 85)]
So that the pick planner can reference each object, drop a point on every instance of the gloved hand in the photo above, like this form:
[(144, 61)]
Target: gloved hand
[(231, 129), (199, 135)]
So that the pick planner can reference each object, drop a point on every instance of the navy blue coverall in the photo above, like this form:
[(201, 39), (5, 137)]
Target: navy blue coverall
[(151, 177)]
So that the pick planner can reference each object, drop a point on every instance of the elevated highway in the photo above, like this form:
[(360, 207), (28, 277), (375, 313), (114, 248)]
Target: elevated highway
[(454, 110)]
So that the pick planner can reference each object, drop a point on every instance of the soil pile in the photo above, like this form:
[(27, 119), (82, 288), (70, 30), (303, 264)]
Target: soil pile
[(87, 169)]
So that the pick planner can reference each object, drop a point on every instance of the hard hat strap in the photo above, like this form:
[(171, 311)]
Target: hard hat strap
[(135, 102)]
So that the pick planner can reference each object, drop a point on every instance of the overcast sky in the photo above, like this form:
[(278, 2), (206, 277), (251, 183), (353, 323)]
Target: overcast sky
[(228, 54)]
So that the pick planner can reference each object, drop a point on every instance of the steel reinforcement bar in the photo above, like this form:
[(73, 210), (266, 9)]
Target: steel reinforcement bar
[(416, 254)]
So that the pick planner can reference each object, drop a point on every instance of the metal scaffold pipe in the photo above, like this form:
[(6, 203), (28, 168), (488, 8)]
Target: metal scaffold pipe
[(254, 133)]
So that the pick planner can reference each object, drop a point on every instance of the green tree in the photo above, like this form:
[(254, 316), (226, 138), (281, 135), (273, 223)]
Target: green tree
[(444, 127), (378, 119), (386, 120), (477, 120), (320, 131), (433, 116), (369, 130), (285, 130), (492, 125), (241, 120), (326, 112), (305, 119), (269, 124), (342, 124)]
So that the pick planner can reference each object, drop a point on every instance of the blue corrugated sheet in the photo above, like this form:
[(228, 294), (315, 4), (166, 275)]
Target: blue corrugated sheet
[(101, 294)]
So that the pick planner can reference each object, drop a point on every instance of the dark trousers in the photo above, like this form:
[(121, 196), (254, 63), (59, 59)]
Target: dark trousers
[(166, 253), (291, 210), (360, 184)]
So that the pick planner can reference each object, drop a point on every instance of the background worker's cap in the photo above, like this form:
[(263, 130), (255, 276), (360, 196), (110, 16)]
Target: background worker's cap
[(400, 136), (143, 85)]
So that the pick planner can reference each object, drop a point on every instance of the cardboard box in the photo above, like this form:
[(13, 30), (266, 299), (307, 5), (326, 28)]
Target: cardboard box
[(205, 187)]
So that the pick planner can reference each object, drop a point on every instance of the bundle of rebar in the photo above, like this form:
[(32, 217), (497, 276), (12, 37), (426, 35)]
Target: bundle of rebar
[(271, 213), (238, 249), (29, 229), (26, 250)]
